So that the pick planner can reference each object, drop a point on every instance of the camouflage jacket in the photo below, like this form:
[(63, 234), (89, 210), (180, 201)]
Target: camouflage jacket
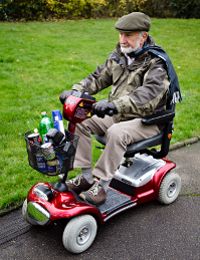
[(138, 89)]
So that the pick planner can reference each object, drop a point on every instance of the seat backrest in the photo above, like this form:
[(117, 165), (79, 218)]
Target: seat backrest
[(168, 119)]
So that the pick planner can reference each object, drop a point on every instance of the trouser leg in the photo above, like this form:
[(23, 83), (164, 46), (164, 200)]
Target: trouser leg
[(119, 135), (93, 125)]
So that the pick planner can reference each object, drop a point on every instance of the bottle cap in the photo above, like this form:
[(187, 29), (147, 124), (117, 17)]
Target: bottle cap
[(44, 113)]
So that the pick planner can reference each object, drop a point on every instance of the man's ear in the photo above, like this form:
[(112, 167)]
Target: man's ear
[(144, 37)]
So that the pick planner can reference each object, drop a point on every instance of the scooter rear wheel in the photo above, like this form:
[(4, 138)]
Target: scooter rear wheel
[(79, 233), (169, 188)]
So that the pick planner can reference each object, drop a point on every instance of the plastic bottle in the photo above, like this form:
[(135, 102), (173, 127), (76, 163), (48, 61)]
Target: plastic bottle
[(45, 124), (58, 121)]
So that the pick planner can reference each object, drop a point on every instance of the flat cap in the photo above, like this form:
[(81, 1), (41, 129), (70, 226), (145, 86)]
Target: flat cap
[(135, 21)]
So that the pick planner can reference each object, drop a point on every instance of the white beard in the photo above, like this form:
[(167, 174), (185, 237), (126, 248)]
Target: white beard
[(127, 50), (124, 48)]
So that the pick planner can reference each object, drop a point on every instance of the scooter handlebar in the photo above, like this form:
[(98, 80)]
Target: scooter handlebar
[(109, 113)]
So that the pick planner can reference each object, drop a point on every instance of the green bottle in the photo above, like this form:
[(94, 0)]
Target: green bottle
[(45, 124)]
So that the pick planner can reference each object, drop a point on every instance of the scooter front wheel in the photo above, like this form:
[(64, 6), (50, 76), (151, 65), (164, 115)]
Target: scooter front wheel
[(169, 188), (79, 233)]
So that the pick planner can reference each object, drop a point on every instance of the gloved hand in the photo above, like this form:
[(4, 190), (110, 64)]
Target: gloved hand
[(102, 107), (64, 95)]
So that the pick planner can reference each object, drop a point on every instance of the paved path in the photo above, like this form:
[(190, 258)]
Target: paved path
[(149, 231)]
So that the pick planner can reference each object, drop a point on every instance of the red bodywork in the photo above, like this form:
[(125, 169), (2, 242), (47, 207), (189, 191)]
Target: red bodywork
[(150, 190), (76, 109), (62, 205), (65, 205)]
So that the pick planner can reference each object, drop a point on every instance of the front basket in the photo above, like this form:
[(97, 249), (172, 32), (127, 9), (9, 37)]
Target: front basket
[(62, 161)]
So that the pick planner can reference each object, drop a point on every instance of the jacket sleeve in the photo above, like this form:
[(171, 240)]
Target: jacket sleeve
[(97, 81), (146, 98)]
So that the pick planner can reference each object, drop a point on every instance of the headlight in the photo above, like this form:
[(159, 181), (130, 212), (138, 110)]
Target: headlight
[(43, 192), (37, 214)]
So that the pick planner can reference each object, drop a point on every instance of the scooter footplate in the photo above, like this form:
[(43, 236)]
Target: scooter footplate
[(114, 200)]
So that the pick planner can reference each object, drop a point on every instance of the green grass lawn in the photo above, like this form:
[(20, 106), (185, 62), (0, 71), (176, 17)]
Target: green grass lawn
[(40, 60)]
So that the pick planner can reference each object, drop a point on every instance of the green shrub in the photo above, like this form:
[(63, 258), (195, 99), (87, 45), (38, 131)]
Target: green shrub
[(157, 8), (173, 8), (46, 9), (25, 10), (22, 9), (185, 8), (117, 8), (69, 9)]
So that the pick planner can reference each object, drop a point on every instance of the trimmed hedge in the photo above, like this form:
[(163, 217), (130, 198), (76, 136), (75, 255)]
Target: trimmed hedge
[(24, 10)]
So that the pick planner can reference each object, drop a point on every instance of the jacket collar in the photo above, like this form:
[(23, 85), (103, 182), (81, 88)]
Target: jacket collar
[(141, 59)]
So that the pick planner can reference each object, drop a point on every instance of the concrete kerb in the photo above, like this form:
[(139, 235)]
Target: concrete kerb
[(184, 143), (172, 147)]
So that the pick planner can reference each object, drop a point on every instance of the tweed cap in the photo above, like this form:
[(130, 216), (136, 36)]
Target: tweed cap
[(135, 21)]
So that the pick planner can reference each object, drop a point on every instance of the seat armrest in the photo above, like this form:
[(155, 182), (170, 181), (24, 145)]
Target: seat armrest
[(159, 118)]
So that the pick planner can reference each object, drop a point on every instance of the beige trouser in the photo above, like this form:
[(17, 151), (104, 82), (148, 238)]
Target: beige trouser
[(118, 136)]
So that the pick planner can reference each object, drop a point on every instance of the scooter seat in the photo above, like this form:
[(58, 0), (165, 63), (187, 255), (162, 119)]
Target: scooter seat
[(134, 148)]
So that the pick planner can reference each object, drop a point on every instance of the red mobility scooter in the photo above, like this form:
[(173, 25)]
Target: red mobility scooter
[(143, 175)]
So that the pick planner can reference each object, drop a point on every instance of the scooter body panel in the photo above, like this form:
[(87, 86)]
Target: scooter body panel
[(128, 189), (139, 170), (141, 177), (60, 205)]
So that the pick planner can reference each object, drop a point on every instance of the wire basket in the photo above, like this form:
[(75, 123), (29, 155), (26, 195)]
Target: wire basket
[(63, 155)]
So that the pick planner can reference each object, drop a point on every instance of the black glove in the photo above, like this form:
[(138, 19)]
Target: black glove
[(101, 108), (64, 95)]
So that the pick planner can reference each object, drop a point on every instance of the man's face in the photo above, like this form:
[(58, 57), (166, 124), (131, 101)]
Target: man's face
[(133, 41)]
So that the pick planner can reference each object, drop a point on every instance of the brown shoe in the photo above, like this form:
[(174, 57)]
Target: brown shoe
[(78, 184), (95, 195)]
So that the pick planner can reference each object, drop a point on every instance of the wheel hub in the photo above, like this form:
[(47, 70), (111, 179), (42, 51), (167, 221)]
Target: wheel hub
[(83, 235), (172, 189)]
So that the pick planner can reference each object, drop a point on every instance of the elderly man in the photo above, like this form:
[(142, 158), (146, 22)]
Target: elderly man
[(140, 87)]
